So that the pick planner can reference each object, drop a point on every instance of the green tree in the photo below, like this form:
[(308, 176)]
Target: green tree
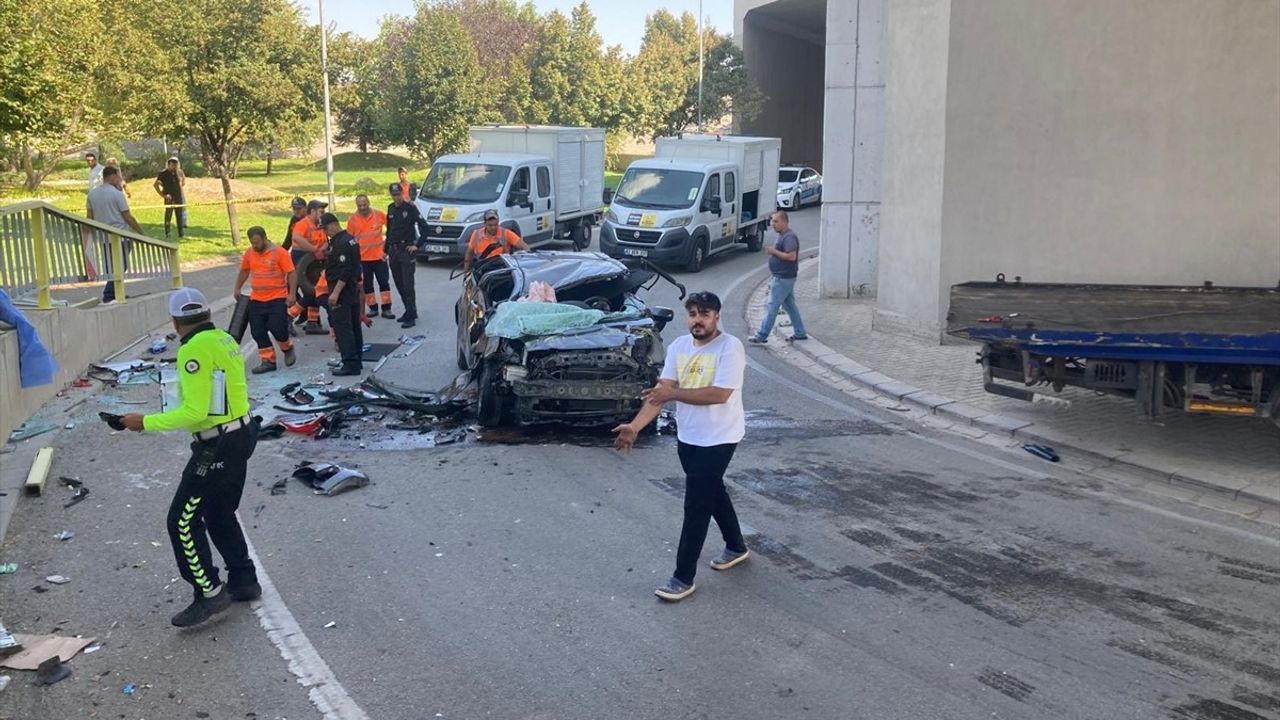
[(568, 70), (503, 34), (47, 81), (427, 76), (353, 91), (223, 71), (664, 98)]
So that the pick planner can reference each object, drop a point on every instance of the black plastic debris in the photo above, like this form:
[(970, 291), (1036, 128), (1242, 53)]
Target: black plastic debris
[(287, 390), (1042, 451), (300, 397), (80, 494), (280, 487), (330, 479), (51, 671), (70, 481)]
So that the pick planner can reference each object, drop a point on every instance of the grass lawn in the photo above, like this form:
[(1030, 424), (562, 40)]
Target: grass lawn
[(262, 199)]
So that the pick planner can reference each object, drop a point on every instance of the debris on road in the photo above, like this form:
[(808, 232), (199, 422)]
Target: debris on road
[(52, 670), (39, 472), (129, 689), (1042, 451), (330, 479), (7, 568), (39, 649), (30, 429), (57, 580), (8, 644), (66, 535), (331, 624), (4, 682), (280, 487)]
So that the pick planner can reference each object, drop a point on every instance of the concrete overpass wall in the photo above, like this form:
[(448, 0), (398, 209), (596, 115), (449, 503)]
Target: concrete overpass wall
[(785, 61), (1078, 140)]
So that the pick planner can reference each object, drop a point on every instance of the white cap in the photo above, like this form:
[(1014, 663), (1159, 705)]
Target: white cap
[(187, 302)]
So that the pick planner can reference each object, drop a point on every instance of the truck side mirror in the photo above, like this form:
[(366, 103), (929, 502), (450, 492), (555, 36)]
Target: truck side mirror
[(608, 196), (518, 198), (714, 205), (662, 316)]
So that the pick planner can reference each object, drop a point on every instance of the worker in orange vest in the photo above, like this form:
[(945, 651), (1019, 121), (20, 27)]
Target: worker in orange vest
[(309, 237), (490, 241), (366, 227), (273, 285)]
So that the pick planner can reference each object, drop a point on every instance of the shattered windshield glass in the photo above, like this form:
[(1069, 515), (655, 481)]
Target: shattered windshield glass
[(562, 270)]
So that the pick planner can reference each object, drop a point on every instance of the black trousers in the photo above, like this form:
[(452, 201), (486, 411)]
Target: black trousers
[(345, 321), (109, 290), (180, 213), (705, 497), (268, 316), (403, 266), (204, 509), (377, 269)]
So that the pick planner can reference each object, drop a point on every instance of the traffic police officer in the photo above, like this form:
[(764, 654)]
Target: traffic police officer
[(344, 275), (404, 225), (215, 410)]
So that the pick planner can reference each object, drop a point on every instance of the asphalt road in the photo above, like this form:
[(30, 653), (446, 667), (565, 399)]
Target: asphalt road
[(898, 573)]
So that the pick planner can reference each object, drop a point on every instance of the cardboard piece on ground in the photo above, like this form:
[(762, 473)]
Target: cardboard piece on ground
[(38, 648)]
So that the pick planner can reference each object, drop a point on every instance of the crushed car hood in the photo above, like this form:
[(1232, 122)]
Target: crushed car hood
[(561, 270)]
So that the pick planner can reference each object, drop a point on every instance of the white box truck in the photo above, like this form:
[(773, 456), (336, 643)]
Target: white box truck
[(547, 183), (697, 196)]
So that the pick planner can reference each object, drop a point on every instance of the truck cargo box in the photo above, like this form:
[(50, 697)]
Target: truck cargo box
[(577, 156)]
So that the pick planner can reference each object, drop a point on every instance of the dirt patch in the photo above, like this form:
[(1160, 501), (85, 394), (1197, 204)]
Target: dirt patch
[(199, 190)]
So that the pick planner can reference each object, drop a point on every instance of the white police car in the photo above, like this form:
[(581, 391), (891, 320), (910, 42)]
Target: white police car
[(798, 186)]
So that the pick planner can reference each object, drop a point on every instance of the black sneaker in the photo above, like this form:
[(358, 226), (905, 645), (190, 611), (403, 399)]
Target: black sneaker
[(757, 340), (674, 591), (264, 367), (314, 329), (347, 370), (386, 313), (202, 608), (245, 592), (794, 338), (408, 323), (728, 558)]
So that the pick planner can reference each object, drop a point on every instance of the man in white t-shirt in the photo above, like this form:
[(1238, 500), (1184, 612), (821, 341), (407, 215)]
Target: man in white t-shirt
[(703, 375), (95, 170)]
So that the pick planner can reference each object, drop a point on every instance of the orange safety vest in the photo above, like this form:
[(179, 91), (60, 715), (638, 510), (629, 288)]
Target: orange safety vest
[(268, 273), (485, 246), (368, 232), (316, 235)]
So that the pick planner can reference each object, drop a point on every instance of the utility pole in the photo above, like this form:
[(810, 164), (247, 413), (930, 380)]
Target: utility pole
[(328, 131), (699, 66)]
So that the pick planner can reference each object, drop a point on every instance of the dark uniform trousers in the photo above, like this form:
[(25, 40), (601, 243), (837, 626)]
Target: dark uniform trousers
[(376, 269), (268, 316), (403, 266), (705, 498), (345, 321), (204, 507)]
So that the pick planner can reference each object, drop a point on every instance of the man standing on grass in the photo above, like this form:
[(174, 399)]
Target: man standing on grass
[(95, 170), (703, 374), (273, 285), (107, 204), (169, 185), (784, 263)]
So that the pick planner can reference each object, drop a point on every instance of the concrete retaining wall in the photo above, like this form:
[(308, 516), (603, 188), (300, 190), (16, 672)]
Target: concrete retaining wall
[(76, 338)]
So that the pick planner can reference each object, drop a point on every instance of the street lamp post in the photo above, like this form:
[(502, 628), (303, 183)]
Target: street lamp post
[(328, 131), (699, 65)]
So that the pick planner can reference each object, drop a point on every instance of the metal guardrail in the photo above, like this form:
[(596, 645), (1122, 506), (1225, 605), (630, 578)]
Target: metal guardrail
[(42, 246)]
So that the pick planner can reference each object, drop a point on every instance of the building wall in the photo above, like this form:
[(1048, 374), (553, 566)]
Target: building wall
[(852, 146), (910, 246), (1120, 142)]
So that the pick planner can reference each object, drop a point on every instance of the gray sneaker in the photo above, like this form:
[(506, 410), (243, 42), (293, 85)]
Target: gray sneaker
[(728, 558), (674, 591)]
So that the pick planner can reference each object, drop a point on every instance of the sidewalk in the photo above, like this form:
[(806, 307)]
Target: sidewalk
[(1236, 457)]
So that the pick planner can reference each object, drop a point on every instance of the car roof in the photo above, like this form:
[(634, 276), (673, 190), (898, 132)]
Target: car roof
[(795, 167), (561, 268)]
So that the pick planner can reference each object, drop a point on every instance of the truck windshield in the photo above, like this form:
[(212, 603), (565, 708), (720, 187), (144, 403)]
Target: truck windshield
[(465, 183), (658, 188), (788, 176)]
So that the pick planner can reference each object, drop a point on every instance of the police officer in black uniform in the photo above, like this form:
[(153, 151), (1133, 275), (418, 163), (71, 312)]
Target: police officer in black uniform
[(404, 222), (345, 276)]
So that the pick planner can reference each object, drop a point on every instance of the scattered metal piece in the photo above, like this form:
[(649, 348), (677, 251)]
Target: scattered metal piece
[(30, 429), (1042, 451), (52, 670), (70, 481), (330, 479), (331, 623), (57, 580), (66, 535)]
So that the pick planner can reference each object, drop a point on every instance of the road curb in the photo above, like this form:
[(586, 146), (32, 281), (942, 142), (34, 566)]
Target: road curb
[(963, 414)]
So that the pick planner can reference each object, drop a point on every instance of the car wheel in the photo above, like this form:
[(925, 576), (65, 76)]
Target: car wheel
[(698, 258), (756, 240), (795, 201), (489, 406)]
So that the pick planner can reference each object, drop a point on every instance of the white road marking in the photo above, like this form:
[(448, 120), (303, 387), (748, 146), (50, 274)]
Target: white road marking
[(313, 673)]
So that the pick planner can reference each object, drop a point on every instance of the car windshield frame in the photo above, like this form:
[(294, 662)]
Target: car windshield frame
[(478, 183), (632, 192), (795, 175)]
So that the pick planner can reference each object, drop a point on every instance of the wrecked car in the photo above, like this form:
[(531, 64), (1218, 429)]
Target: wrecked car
[(581, 360)]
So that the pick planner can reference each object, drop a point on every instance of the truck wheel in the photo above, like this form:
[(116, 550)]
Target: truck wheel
[(581, 236), (755, 240), (698, 258), (489, 406)]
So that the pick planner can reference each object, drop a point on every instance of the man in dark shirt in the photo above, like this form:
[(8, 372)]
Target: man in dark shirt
[(784, 263), (297, 313), (403, 224), (168, 185), (343, 273)]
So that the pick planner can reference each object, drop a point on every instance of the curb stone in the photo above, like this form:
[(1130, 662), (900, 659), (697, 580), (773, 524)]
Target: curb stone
[(826, 360)]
